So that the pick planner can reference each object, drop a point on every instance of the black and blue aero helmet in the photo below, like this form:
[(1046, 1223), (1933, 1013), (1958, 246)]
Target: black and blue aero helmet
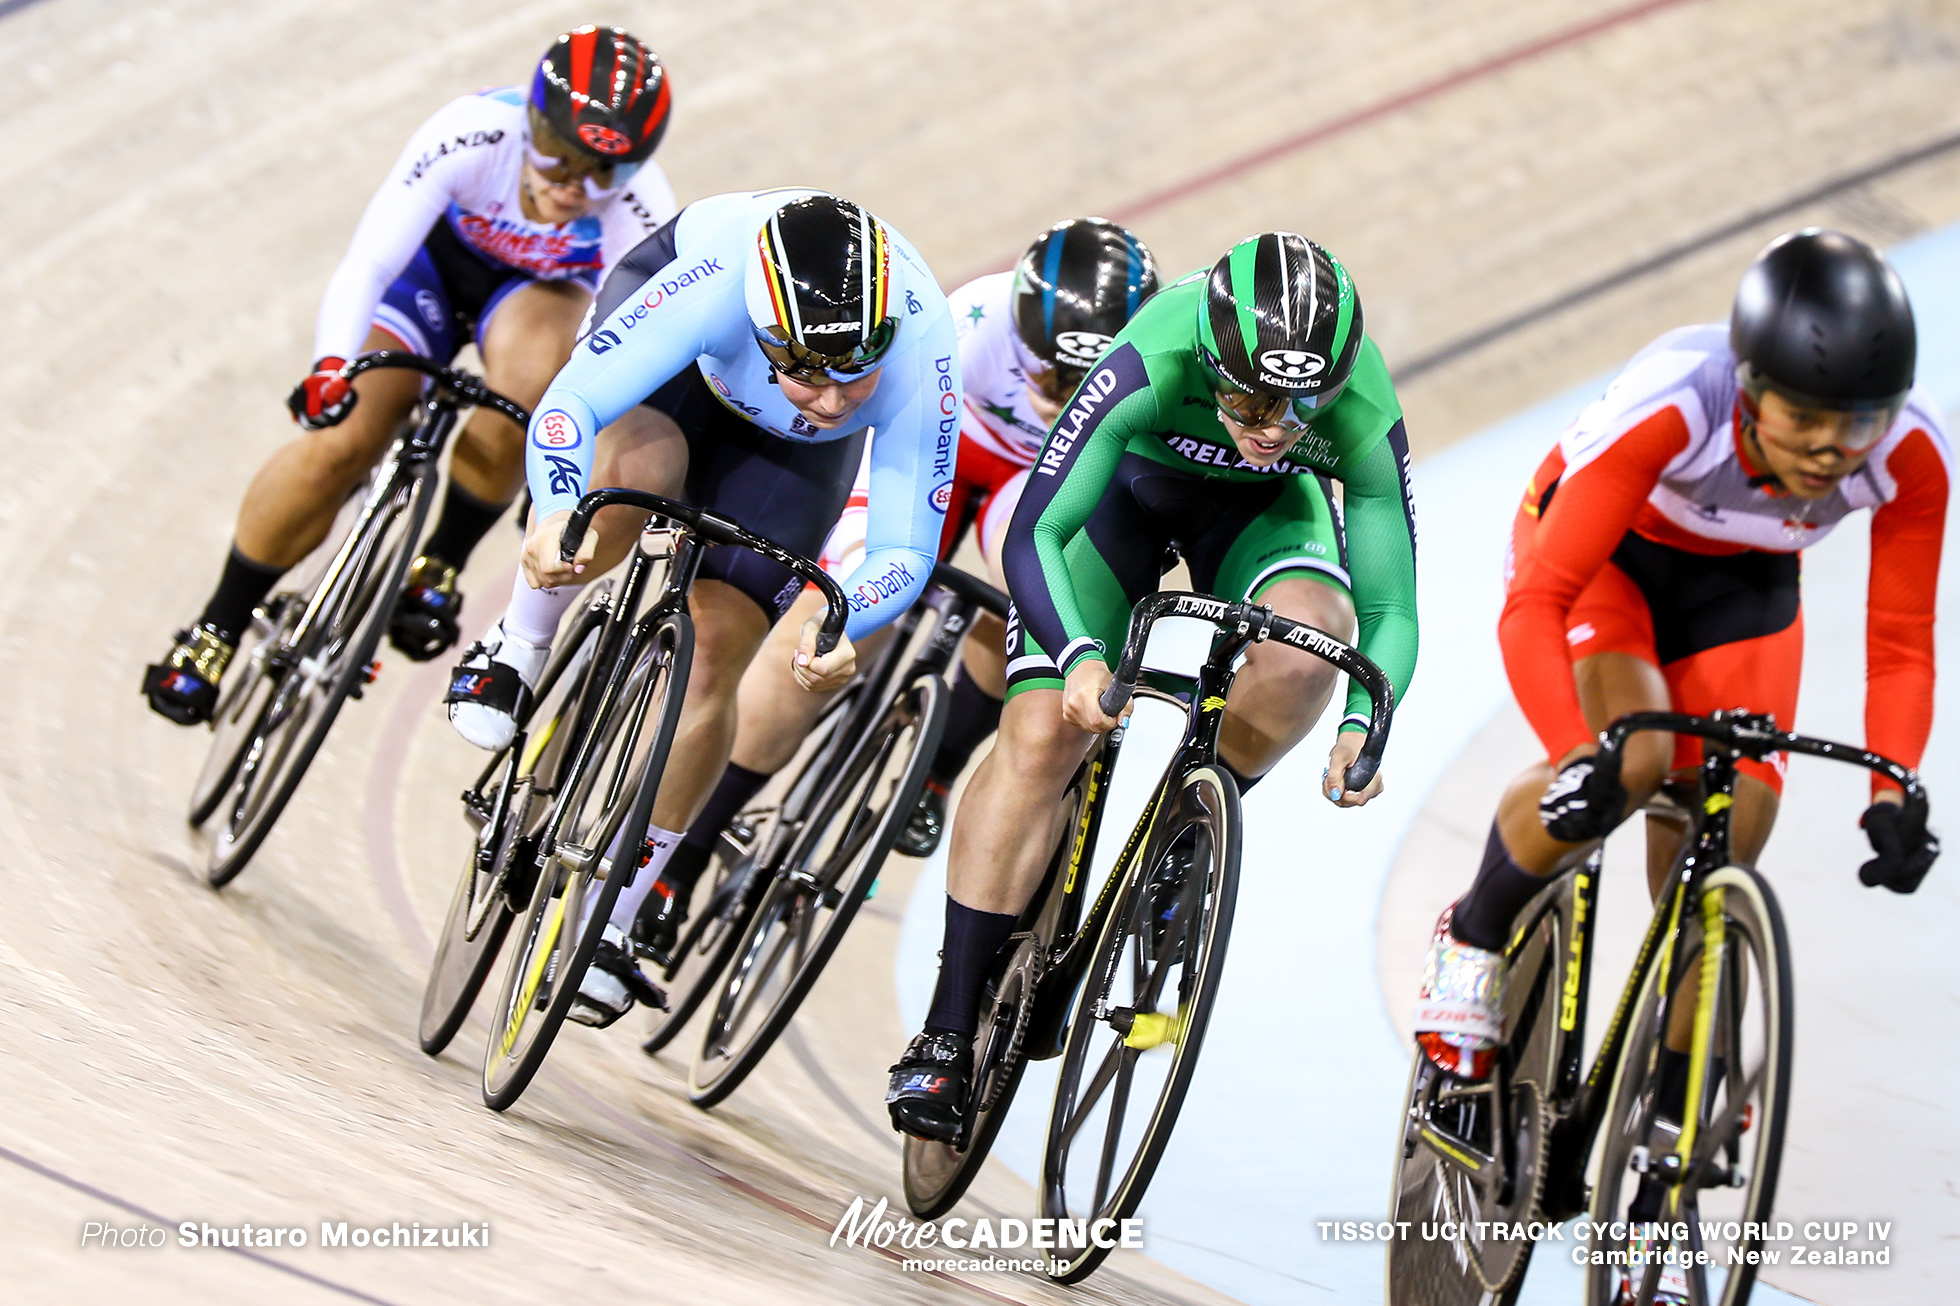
[(1280, 321), (1822, 318), (1074, 289)]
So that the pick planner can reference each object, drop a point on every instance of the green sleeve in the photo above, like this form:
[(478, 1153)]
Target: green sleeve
[(1381, 546)]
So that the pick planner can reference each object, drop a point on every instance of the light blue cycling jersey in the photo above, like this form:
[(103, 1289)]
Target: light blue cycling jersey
[(692, 313)]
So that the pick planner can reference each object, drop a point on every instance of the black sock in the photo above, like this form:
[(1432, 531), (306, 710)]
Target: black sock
[(1671, 1096), (1245, 783), (972, 939), (737, 786), (684, 867), (463, 521), (1483, 916), (242, 586), (973, 715)]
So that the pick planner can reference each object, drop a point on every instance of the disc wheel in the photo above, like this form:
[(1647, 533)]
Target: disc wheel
[(815, 893), (1715, 1169), (937, 1173), (306, 683), (1139, 1021), (605, 800)]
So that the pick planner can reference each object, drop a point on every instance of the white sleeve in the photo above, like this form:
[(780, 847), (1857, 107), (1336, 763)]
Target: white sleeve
[(644, 207), (445, 151)]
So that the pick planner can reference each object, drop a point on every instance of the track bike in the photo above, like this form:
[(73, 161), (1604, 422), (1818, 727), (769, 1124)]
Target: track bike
[(829, 843), (311, 645), (1715, 961), (562, 811), (1122, 988)]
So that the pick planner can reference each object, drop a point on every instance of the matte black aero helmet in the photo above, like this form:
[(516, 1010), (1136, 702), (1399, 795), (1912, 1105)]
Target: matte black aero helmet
[(1074, 289), (1822, 318), (603, 93), (1280, 326), (819, 289)]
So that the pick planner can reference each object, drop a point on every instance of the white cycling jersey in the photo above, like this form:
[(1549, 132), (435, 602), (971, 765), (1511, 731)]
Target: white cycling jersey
[(992, 367), (465, 166)]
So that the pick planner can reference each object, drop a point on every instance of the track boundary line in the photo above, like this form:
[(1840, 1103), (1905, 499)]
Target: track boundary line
[(1728, 229), (90, 1190)]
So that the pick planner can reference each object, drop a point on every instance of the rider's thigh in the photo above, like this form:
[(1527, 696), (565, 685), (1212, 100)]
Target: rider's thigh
[(530, 336), (1315, 602), (341, 455), (643, 450), (1037, 749), (1614, 684), (729, 628)]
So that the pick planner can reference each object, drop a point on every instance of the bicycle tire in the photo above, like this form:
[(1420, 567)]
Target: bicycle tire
[(1747, 909), (1205, 801), (370, 585), (240, 703), (542, 977), (847, 868), (709, 938), (1432, 1186)]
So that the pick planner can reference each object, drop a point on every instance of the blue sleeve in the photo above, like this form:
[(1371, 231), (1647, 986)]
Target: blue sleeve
[(911, 482), (637, 349)]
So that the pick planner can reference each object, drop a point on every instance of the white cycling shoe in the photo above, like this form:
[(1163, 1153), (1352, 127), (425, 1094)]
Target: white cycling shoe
[(485, 687), (1459, 1020)]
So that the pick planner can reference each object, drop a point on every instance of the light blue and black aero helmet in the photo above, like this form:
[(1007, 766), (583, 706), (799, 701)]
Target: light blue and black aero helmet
[(1074, 289)]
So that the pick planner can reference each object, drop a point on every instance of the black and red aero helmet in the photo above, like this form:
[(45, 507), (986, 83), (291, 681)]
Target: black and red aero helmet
[(601, 90)]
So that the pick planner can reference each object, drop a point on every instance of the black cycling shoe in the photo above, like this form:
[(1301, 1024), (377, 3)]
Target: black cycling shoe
[(184, 686), (928, 1090), (926, 823), (658, 926), (424, 623)]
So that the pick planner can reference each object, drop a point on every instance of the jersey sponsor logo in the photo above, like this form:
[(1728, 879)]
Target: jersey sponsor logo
[(912, 304), (603, 138), (601, 341), (466, 141), (564, 475), (430, 308), (555, 430), (1100, 385), (1291, 364), (550, 254), (949, 418), (720, 386), (1217, 455), (942, 495), (895, 580), (1083, 347)]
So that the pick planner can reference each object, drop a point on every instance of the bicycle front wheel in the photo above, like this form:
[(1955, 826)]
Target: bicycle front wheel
[(816, 892), (1140, 1019), (310, 679), (1700, 1157), (592, 848)]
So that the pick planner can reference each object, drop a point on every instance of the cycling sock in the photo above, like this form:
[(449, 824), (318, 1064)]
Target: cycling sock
[(731, 794), (627, 905), (1671, 1094), (684, 866), (972, 715), (533, 614), (1245, 782), (242, 586), (1483, 916), (463, 521), (972, 939)]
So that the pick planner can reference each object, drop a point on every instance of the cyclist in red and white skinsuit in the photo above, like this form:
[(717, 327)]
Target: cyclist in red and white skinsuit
[(1027, 337), (494, 225), (1655, 567)]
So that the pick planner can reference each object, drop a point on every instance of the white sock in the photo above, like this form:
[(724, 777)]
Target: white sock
[(533, 615), (627, 905)]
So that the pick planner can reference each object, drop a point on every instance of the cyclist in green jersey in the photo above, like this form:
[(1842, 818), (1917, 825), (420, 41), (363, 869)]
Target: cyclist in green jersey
[(1213, 425)]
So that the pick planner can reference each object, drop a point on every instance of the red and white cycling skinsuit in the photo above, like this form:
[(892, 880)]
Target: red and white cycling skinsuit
[(1000, 434), (1649, 531)]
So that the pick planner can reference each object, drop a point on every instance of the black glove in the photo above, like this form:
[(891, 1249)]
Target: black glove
[(1585, 799), (1906, 848)]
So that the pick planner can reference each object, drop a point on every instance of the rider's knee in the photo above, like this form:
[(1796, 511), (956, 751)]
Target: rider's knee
[(1039, 744), (1645, 762)]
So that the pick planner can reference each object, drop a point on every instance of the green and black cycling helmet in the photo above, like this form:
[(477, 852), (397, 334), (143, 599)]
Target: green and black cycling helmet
[(1074, 289), (1822, 319), (1279, 329)]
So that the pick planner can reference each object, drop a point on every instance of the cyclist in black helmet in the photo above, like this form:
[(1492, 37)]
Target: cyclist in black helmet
[(494, 227)]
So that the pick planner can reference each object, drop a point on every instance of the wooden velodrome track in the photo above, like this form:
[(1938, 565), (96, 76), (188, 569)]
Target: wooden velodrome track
[(1526, 190)]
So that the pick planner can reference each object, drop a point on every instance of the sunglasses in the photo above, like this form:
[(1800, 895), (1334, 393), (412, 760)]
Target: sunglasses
[(1853, 431), (561, 164), (799, 362)]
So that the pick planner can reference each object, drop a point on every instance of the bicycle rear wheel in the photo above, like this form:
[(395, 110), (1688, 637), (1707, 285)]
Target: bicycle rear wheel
[(310, 680), (1152, 981), (718, 925), (1471, 1156), (815, 894), (604, 803), (1715, 1170), (486, 898)]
